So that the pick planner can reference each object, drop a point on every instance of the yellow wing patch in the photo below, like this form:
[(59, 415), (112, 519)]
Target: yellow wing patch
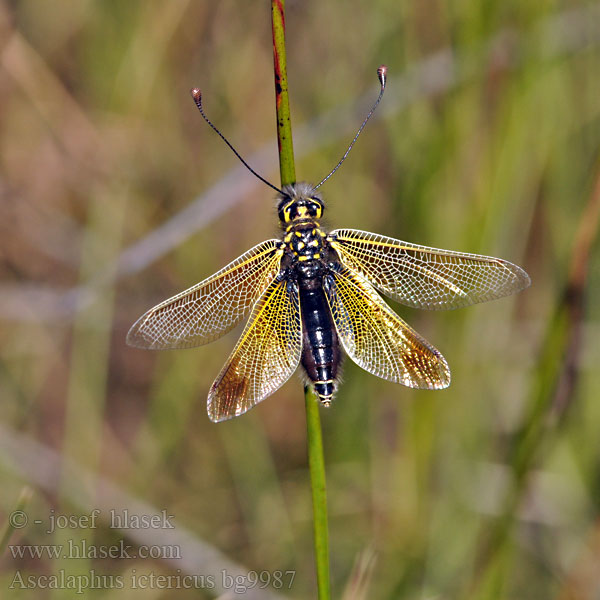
[(377, 340), (211, 308), (265, 357)]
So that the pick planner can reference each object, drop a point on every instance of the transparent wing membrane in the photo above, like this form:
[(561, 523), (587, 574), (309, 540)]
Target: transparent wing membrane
[(377, 340), (424, 277), (212, 307), (265, 357)]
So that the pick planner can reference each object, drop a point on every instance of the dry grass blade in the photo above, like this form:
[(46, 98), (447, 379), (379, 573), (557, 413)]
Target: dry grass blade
[(44, 468), (359, 581)]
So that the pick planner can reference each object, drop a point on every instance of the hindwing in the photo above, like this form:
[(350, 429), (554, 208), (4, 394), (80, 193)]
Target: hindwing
[(265, 357), (376, 339)]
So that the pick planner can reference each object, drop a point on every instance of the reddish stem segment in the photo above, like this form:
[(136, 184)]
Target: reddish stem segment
[(282, 103)]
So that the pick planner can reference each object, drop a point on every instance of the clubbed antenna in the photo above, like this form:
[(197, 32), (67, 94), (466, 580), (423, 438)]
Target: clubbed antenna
[(197, 96), (382, 75)]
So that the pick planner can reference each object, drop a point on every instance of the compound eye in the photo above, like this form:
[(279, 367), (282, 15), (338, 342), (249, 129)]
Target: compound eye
[(287, 212), (315, 209)]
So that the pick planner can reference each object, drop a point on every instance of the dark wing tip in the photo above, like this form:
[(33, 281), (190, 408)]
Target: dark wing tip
[(443, 376)]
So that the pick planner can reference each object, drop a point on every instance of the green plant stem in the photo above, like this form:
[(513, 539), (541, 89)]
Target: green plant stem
[(316, 463)]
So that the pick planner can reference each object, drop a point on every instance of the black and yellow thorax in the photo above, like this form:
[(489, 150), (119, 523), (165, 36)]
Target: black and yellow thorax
[(300, 211)]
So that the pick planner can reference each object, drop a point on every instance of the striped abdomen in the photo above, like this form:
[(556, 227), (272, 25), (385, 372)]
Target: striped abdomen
[(321, 349)]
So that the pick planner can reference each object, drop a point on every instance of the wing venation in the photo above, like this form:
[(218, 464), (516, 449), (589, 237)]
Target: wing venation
[(377, 340), (211, 308), (265, 357), (424, 277)]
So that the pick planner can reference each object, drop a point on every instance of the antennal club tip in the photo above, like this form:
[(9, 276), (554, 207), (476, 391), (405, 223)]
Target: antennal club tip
[(382, 74), (197, 96)]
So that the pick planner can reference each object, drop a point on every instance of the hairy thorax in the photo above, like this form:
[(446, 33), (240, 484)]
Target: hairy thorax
[(305, 243)]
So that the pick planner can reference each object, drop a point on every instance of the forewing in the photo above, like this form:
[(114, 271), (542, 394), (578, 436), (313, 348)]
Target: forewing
[(424, 277), (266, 355), (212, 307), (377, 340)]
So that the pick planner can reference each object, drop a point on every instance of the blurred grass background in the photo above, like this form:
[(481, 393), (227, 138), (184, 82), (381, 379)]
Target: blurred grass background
[(115, 195)]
